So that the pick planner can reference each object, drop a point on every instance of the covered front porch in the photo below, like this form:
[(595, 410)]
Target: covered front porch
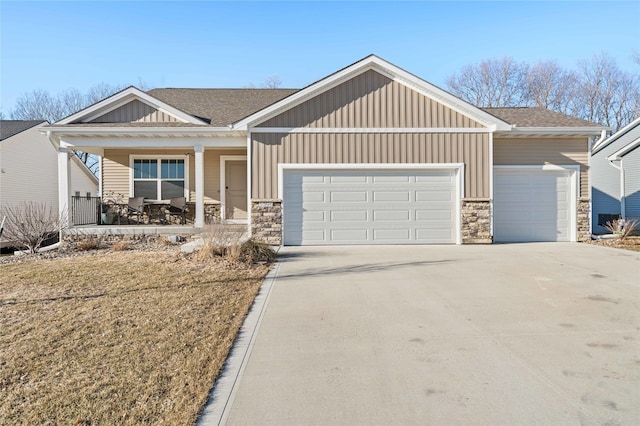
[(155, 180)]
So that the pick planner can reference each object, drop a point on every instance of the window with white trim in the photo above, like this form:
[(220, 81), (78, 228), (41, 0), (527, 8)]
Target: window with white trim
[(159, 178)]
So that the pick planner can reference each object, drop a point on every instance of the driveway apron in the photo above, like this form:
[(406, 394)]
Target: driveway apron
[(542, 333)]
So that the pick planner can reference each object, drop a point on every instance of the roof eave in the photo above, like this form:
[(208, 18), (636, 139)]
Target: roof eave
[(577, 131), (142, 131), (617, 135), (624, 150)]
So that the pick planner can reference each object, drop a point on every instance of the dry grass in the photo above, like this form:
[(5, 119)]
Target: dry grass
[(629, 243), (116, 338)]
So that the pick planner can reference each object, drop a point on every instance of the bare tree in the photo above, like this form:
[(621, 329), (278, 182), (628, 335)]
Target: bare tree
[(599, 91), (37, 105), (550, 86), (29, 224), (41, 105), (491, 83), (606, 94), (272, 82)]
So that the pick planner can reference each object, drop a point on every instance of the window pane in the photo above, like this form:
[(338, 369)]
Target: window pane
[(172, 169), (145, 169), (146, 189), (172, 188)]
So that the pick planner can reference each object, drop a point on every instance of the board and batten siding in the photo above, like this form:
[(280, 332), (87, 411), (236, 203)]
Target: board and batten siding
[(270, 149), (116, 174), (370, 100), (135, 112), (541, 151)]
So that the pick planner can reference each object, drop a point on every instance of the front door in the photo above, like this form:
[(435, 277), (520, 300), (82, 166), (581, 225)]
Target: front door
[(236, 190)]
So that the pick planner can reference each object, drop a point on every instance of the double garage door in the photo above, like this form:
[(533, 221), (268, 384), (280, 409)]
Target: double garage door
[(370, 206), (532, 205)]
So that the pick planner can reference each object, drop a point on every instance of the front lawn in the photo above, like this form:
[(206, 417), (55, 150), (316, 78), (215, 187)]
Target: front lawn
[(116, 337)]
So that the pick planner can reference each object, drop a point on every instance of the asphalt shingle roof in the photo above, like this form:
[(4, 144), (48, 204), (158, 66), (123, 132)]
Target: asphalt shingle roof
[(10, 128), (537, 117), (220, 107)]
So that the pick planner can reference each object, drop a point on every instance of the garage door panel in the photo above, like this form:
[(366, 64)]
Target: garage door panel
[(313, 216), (391, 179), (369, 207), (312, 196), (382, 196), (532, 206), (391, 215), (434, 195), (348, 179), (343, 235), (348, 196), (434, 215), (392, 234), (437, 235), (349, 215)]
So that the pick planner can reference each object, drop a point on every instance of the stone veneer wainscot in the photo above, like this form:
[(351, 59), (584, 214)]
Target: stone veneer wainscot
[(476, 221), (266, 221), (583, 220)]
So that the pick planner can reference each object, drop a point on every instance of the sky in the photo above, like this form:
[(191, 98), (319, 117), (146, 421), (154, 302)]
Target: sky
[(55, 46)]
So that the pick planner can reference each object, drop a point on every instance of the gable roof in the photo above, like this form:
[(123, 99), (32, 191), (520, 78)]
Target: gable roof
[(538, 117), (626, 130), (220, 107), (213, 110), (373, 62), (123, 97), (10, 128)]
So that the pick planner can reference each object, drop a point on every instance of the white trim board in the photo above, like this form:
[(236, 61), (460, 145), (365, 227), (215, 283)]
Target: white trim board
[(458, 168), (370, 130), (223, 186)]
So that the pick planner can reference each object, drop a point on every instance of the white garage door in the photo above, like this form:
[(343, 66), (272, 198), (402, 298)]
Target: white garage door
[(369, 207), (532, 205)]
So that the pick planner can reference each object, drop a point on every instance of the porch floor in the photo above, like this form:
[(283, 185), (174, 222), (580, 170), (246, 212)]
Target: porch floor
[(144, 229)]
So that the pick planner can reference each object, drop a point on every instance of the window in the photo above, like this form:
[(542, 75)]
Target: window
[(159, 178)]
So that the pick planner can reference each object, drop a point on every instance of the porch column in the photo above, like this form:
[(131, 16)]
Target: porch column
[(64, 206), (199, 154)]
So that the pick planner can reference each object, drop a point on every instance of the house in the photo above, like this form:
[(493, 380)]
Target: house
[(370, 154), (615, 177), (29, 166)]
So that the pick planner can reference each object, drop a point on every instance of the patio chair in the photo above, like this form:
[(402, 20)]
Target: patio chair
[(178, 206), (135, 208)]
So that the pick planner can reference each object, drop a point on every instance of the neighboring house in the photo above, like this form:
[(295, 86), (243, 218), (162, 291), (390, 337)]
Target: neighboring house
[(29, 167), (615, 177), (370, 154)]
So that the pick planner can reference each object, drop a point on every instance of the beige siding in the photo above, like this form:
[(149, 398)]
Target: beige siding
[(370, 100), (135, 111), (541, 151), (116, 175), (269, 149)]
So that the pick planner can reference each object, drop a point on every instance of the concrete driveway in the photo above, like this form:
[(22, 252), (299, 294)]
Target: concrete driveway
[(399, 335)]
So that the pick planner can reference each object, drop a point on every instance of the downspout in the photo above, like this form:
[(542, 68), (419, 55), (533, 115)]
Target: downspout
[(622, 197)]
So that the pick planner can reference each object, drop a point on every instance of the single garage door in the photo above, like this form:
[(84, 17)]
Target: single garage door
[(532, 205), (369, 206)]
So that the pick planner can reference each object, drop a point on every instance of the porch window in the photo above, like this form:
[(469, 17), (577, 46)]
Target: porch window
[(159, 178)]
